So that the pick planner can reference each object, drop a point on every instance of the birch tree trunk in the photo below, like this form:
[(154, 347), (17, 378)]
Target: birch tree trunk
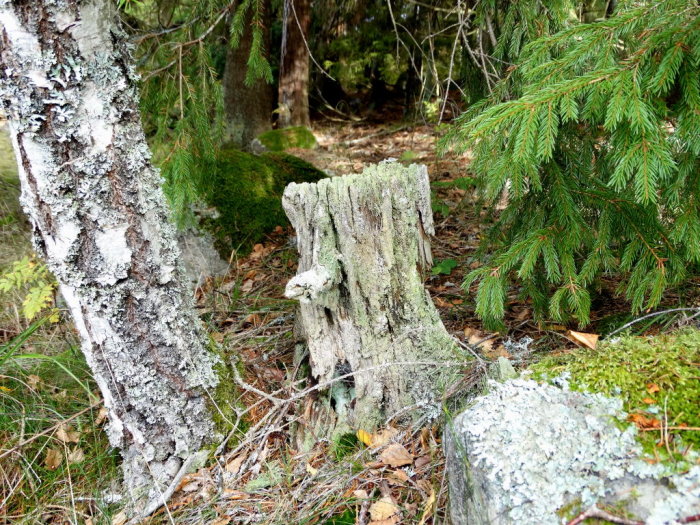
[(362, 240), (100, 220)]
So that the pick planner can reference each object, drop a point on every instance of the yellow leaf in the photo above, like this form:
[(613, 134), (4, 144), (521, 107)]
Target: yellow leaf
[(584, 339), (311, 470), (119, 519), (648, 401), (365, 437), (5, 389), (396, 455)]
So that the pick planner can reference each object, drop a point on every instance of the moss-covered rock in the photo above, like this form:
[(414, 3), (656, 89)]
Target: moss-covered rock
[(656, 377), (246, 191), (286, 138)]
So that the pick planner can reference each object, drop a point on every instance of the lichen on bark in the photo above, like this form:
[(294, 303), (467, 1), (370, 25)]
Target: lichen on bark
[(363, 240), (99, 218)]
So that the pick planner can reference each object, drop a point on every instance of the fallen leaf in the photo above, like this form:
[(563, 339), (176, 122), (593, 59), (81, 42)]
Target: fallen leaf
[(234, 494), (584, 339), (383, 509), (250, 274), (221, 521), (53, 459), (428, 507), (652, 388), (643, 421), (76, 455), (247, 285), (101, 415), (233, 466), (311, 470), (648, 401), (217, 336), (383, 437), (396, 455), (422, 461), (393, 520), (365, 437), (398, 476), (5, 389), (33, 380), (119, 519), (66, 434), (441, 303)]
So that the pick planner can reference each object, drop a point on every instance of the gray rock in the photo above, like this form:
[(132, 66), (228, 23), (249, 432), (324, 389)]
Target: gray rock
[(199, 257), (525, 450)]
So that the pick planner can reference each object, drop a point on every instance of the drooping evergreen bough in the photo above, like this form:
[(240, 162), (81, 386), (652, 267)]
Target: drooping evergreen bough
[(600, 154)]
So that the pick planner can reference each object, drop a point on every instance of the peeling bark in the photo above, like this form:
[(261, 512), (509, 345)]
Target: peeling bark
[(100, 220), (362, 240)]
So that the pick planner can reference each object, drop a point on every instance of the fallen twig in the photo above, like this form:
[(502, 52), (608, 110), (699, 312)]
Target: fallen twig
[(595, 512)]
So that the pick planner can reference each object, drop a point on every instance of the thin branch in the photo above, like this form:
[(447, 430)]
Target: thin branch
[(655, 314)]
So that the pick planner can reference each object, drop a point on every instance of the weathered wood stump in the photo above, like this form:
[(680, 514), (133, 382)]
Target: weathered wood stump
[(363, 241)]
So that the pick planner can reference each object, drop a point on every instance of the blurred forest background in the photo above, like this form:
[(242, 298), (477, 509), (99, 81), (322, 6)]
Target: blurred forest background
[(562, 140)]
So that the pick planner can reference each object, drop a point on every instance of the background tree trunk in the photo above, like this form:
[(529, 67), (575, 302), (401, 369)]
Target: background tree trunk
[(100, 221), (294, 64), (362, 240), (248, 109)]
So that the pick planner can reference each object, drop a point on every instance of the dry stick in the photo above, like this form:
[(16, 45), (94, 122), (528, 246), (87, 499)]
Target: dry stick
[(654, 314), (690, 519), (595, 512)]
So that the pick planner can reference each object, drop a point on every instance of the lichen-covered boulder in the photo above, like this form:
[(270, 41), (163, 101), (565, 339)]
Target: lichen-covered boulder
[(287, 138), (538, 454), (246, 192)]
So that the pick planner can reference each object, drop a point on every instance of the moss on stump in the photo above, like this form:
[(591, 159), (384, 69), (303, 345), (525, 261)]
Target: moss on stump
[(246, 191), (286, 138)]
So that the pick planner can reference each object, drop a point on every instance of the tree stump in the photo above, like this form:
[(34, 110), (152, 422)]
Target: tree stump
[(363, 241)]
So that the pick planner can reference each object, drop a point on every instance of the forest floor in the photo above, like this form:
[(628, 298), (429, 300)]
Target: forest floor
[(53, 464)]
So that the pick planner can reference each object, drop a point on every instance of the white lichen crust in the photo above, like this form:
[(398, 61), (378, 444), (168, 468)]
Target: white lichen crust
[(525, 451), (363, 240), (99, 219)]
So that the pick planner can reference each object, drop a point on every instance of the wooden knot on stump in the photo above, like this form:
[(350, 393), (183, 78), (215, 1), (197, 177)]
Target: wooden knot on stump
[(363, 244)]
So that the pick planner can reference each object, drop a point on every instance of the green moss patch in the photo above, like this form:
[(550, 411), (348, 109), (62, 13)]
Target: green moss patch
[(286, 138), (658, 379), (246, 190)]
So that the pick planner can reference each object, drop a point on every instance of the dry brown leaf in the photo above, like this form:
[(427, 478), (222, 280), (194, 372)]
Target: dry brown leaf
[(66, 434), (225, 520), (653, 388), (54, 458), (398, 476), (393, 520), (217, 336), (383, 437), (396, 455), (422, 461), (33, 380), (88, 521), (584, 339), (77, 455), (119, 519), (429, 506), (234, 465), (250, 274), (311, 470), (101, 416), (643, 421), (383, 509), (360, 494), (649, 401), (247, 285), (234, 494)]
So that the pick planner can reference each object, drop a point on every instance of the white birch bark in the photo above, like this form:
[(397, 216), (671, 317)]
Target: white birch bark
[(100, 220), (362, 240)]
